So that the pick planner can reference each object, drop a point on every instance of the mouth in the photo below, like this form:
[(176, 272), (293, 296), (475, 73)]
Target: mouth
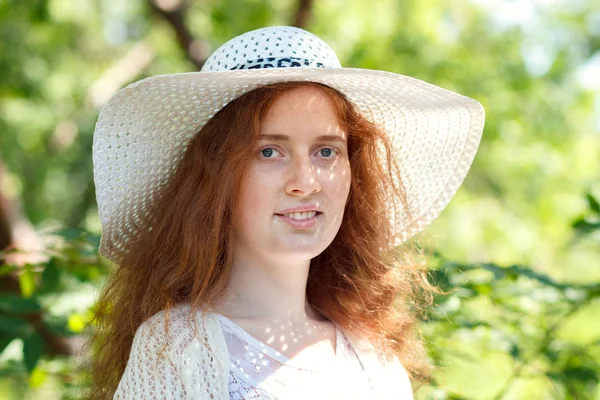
[(300, 220), (301, 216)]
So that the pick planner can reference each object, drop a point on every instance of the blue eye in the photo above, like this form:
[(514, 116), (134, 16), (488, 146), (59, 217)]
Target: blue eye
[(268, 152), (327, 152)]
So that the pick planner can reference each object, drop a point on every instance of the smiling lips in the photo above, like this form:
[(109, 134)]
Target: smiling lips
[(299, 218)]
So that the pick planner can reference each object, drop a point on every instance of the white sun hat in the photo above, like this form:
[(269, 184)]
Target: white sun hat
[(143, 131)]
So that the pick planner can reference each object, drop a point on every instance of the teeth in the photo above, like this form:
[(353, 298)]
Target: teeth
[(301, 215)]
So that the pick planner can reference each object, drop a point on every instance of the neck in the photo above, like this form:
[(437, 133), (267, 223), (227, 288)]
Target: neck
[(272, 290)]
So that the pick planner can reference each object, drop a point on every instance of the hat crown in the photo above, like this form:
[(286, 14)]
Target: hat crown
[(272, 47)]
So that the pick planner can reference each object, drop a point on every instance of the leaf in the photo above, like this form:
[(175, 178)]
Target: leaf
[(5, 341), (593, 203), (551, 354), (483, 288), (51, 275), (27, 282), (515, 351), (33, 348), (58, 324), (13, 325), (37, 377), (8, 269), (17, 304), (584, 373), (78, 322), (582, 226)]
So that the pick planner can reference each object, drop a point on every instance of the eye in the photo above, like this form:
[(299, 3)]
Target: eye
[(327, 152), (268, 152)]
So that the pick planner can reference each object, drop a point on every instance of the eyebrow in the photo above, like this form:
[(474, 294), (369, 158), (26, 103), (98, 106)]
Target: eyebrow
[(322, 138)]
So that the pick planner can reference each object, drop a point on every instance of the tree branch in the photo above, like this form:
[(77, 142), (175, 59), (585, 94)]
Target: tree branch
[(304, 13), (15, 229), (173, 11), (17, 232)]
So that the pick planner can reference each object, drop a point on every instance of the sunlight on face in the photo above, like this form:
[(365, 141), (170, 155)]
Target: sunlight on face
[(300, 164)]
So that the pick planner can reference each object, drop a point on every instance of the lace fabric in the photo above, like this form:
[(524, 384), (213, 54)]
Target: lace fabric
[(183, 363), (258, 371), (208, 357)]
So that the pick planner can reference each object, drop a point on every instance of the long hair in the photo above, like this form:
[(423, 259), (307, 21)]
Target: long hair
[(358, 282)]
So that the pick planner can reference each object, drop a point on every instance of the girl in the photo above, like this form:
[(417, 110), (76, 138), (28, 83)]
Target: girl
[(254, 211)]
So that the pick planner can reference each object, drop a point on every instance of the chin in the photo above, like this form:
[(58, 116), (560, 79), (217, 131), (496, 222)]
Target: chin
[(304, 250)]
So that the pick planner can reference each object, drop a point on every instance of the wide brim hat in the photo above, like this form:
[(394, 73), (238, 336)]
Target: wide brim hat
[(143, 131)]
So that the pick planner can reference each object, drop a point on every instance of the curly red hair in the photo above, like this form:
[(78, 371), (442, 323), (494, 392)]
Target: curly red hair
[(358, 281)]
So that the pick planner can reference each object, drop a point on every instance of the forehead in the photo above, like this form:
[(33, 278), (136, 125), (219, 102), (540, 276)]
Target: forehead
[(305, 110), (303, 97)]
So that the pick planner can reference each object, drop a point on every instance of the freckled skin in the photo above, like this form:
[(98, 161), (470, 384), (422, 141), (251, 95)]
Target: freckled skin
[(302, 170)]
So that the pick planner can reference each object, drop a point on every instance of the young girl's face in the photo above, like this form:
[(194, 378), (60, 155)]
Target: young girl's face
[(295, 189)]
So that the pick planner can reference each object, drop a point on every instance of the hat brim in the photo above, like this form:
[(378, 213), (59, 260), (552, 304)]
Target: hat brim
[(143, 130)]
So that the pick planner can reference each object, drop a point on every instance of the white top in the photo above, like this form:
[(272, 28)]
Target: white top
[(241, 367)]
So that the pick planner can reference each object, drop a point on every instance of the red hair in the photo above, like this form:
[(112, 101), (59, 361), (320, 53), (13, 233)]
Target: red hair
[(357, 282)]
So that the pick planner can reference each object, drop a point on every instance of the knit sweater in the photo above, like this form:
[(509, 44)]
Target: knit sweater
[(208, 357)]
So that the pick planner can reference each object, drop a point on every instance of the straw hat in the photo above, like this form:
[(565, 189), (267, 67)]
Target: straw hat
[(143, 131)]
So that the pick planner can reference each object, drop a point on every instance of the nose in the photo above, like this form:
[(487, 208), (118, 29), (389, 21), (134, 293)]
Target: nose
[(303, 178)]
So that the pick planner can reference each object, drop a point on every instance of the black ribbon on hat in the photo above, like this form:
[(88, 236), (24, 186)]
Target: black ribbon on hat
[(278, 62)]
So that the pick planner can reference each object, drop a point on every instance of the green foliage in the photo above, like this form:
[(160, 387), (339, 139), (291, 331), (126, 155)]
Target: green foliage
[(527, 333), (517, 249), (590, 222), (57, 301)]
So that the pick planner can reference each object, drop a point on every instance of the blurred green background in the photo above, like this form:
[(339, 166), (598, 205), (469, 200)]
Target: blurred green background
[(518, 249)]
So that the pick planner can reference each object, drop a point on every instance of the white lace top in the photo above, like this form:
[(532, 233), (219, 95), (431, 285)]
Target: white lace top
[(240, 367)]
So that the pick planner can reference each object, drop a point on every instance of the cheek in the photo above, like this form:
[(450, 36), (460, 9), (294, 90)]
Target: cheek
[(337, 185), (255, 192)]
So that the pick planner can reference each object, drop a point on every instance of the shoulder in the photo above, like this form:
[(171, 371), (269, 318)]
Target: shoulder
[(180, 324), (179, 331), (386, 372), (396, 380), (177, 351)]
